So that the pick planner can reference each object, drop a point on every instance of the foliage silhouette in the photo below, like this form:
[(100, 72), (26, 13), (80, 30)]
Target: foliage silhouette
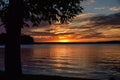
[(2, 38), (25, 39), (16, 13)]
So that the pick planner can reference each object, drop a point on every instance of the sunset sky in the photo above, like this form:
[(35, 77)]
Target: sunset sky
[(100, 21)]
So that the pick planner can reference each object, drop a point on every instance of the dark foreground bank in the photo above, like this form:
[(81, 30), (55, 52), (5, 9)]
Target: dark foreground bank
[(44, 77)]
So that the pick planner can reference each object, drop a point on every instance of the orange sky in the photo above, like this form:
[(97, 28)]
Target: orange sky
[(84, 28), (100, 21)]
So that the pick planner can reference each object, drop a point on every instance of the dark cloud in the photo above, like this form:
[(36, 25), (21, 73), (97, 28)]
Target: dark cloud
[(117, 27), (94, 35), (113, 19), (42, 34), (84, 27), (48, 30), (69, 33), (49, 34)]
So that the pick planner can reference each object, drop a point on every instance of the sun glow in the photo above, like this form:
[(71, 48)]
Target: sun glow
[(64, 40)]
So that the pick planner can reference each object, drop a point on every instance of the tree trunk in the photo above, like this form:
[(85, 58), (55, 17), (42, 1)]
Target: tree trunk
[(12, 47)]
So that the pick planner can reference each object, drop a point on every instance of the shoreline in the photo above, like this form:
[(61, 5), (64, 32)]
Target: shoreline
[(44, 77), (102, 42)]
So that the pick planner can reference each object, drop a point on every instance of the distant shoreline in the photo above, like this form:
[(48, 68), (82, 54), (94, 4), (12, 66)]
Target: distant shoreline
[(105, 42)]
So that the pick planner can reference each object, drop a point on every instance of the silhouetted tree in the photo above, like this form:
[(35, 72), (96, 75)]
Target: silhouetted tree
[(15, 14), (25, 39), (2, 38)]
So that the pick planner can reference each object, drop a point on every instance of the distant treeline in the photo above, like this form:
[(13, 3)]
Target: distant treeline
[(25, 39), (102, 42)]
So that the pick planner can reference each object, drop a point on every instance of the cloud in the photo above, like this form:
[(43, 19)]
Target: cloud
[(42, 34), (113, 19), (100, 8), (114, 9), (83, 16), (94, 35), (92, 1), (97, 26), (53, 30), (116, 27), (88, 2), (108, 8), (84, 26)]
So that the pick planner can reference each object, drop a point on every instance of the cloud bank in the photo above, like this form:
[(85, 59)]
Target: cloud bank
[(84, 26)]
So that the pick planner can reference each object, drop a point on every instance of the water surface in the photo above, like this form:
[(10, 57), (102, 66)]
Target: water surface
[(98, 61)]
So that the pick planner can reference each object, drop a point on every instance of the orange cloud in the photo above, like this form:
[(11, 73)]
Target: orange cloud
[(88, 28)]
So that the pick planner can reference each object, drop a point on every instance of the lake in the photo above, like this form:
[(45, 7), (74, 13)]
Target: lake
[(99, 61)]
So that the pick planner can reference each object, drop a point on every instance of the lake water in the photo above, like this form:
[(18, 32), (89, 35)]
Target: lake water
[(99, 61)]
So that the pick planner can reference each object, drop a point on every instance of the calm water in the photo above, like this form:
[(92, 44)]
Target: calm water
[(78, 60)]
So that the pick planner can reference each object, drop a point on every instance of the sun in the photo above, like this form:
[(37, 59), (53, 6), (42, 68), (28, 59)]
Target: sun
[(64, 40)]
